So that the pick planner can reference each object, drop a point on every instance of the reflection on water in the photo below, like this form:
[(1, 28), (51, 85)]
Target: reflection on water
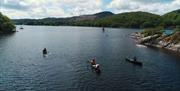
[(23, 66), (139, 45)]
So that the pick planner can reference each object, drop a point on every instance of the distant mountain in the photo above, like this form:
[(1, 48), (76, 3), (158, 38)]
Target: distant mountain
[(172, 18), (61, 21), (130, 19), (93, 16), (103, 14), (137, 19)]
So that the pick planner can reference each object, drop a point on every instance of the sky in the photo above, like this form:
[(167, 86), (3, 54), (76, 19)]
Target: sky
[(35, 9)]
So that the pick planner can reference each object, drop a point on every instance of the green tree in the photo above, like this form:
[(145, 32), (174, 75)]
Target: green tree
[(6, 26)]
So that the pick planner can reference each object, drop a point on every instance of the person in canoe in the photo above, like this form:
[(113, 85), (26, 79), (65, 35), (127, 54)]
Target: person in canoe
[(44, 51), (93, 61), (135, 59), (103, 29), (94, 65)]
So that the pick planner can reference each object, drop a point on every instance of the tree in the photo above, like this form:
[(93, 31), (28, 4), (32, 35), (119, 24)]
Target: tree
[(6, 26)]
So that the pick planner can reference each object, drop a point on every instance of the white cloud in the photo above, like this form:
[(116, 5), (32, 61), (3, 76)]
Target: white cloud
[(123, 4), (49, 8), (79, 7), (66, 8), (14, 14), (154, 6)]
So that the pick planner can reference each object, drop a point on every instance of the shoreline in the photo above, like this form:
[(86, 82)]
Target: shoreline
[(156, 41)]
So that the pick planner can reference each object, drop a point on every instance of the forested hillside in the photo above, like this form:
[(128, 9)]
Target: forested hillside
[(107, 19), (6, 26)]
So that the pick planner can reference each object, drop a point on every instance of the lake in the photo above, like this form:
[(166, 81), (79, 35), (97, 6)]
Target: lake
[(66, 67)]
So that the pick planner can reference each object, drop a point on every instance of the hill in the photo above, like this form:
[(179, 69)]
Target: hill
[(62, 21), (93, 16), (137, 19), (129, 20), (172, 18), (6, 26)]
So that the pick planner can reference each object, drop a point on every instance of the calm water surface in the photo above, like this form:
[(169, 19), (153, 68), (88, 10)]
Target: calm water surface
[(22, 66)]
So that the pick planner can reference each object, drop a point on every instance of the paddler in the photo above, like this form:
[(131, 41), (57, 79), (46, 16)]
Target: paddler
[(135, 58), (44, 51), (93, 61)]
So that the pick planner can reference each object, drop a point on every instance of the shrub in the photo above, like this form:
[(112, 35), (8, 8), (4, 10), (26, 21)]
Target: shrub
[(152, 31)]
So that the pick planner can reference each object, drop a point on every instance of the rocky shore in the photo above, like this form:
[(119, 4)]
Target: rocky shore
[(169, 42)]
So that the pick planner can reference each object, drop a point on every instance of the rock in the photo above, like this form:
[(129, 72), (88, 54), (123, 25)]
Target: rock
[(157, 41), (148, 38)]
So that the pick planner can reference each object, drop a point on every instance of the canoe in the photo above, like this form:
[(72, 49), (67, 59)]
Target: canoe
[(45, 55), (94, 67), (134, 62)]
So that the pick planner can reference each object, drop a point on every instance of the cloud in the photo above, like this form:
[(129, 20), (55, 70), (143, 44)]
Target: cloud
[(154, 6), (49, 8), (12, 4), (66, 8), (123, 5), (14, 14), (79, 7), (154, 1)]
